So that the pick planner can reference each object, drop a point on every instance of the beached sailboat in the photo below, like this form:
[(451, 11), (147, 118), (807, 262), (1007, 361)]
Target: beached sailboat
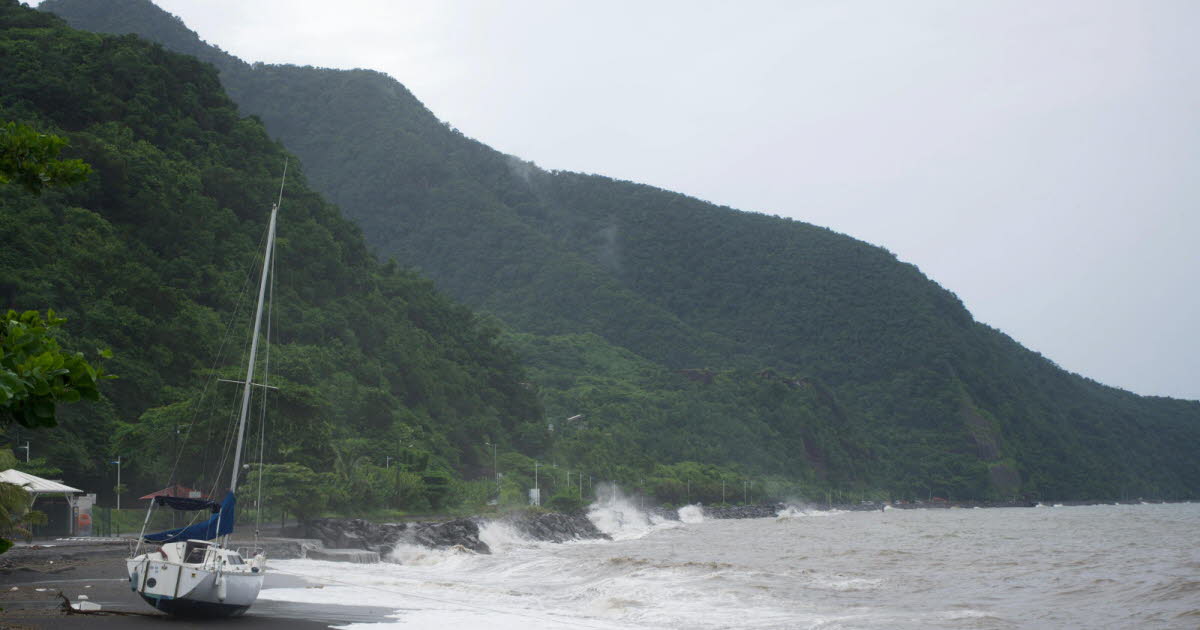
[(193, 573)]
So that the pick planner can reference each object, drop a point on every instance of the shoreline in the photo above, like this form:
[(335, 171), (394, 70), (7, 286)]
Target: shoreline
[(31, 577)]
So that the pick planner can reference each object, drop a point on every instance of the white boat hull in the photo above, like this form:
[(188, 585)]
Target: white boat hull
[(208, 589)]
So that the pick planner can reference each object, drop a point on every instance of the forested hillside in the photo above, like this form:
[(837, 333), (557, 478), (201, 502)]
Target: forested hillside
[(682, 331), (153, 255)]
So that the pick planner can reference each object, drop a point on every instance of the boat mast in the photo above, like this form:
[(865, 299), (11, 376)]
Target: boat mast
[(262, 291)]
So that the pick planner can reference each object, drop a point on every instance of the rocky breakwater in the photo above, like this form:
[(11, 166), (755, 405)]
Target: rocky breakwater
[(553, 526), (743, 511), (382, 538)]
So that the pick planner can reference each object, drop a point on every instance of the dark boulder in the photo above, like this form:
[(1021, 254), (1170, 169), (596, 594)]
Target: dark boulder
[(356, 533), (554, 526), (743, 511), (462, 532)]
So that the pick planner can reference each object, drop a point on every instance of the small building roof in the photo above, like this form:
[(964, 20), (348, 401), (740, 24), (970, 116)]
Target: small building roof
[(34, 484)]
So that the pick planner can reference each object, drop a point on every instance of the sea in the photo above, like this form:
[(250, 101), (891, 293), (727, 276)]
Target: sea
[(1099, 566)]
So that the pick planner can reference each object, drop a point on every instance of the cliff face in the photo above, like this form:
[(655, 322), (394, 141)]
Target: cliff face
[(908, 391)]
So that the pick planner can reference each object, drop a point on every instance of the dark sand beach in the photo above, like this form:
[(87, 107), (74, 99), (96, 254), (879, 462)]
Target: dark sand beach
[(31, 579)]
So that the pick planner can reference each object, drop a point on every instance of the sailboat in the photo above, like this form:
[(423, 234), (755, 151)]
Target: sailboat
[(193, 573)]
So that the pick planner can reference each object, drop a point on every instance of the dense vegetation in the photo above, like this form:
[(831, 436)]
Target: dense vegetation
[(692, 335), (151, 257)]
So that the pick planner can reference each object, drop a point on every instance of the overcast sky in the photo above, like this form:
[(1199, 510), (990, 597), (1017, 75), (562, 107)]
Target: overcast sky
[(1039, 159)]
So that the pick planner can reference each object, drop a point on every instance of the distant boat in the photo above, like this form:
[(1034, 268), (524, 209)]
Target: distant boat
[(192, 574)]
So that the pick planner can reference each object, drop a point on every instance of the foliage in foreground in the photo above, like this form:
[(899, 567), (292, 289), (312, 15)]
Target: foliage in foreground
[(36, 374)]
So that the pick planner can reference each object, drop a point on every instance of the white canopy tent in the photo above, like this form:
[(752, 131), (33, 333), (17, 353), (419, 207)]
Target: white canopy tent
[(64, 520), (36, 485)]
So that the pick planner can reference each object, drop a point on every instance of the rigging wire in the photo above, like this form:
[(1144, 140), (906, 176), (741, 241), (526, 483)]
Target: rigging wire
[(262, 419), (235, 409), (212, 376), (267, 369), (198, 405)]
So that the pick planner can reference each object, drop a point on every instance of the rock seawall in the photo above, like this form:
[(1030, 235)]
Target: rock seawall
[(554, 527), (743, 511), (461, 533), (356, 533)]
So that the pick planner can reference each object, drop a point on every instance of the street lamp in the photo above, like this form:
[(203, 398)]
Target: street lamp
[(537, 493), (118, 492), (495, 469)]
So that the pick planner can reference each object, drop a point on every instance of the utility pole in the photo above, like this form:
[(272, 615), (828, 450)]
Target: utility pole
[(26, 447), (536, 491), (689, 491), (745, 494)]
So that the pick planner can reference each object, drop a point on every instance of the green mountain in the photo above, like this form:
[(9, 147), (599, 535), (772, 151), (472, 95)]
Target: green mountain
[(153, 255), (682, 331)]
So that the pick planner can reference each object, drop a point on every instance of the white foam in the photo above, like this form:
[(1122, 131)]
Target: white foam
[(501, 537), (843, 584), (531, 587), (956, 615), (619, 516), (443, 618), (691, 514), (799, 511), (416, 555)]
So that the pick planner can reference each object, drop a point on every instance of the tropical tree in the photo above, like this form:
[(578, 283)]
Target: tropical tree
[(36, 374), (291, 488), (30, 159)]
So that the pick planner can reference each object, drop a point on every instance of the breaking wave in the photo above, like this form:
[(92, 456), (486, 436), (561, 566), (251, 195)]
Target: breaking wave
[(621, 516), (691, 514)]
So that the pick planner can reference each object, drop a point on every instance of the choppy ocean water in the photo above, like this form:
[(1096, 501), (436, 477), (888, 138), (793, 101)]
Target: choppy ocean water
[(1128, 566)]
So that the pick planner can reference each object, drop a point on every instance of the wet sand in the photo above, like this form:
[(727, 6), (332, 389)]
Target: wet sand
[(32, 578)]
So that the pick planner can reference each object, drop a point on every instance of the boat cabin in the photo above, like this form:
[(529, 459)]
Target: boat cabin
[(201, 553)]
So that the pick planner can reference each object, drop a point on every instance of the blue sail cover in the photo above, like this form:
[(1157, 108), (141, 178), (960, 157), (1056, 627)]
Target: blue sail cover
[(187, 505), (218, 524)]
